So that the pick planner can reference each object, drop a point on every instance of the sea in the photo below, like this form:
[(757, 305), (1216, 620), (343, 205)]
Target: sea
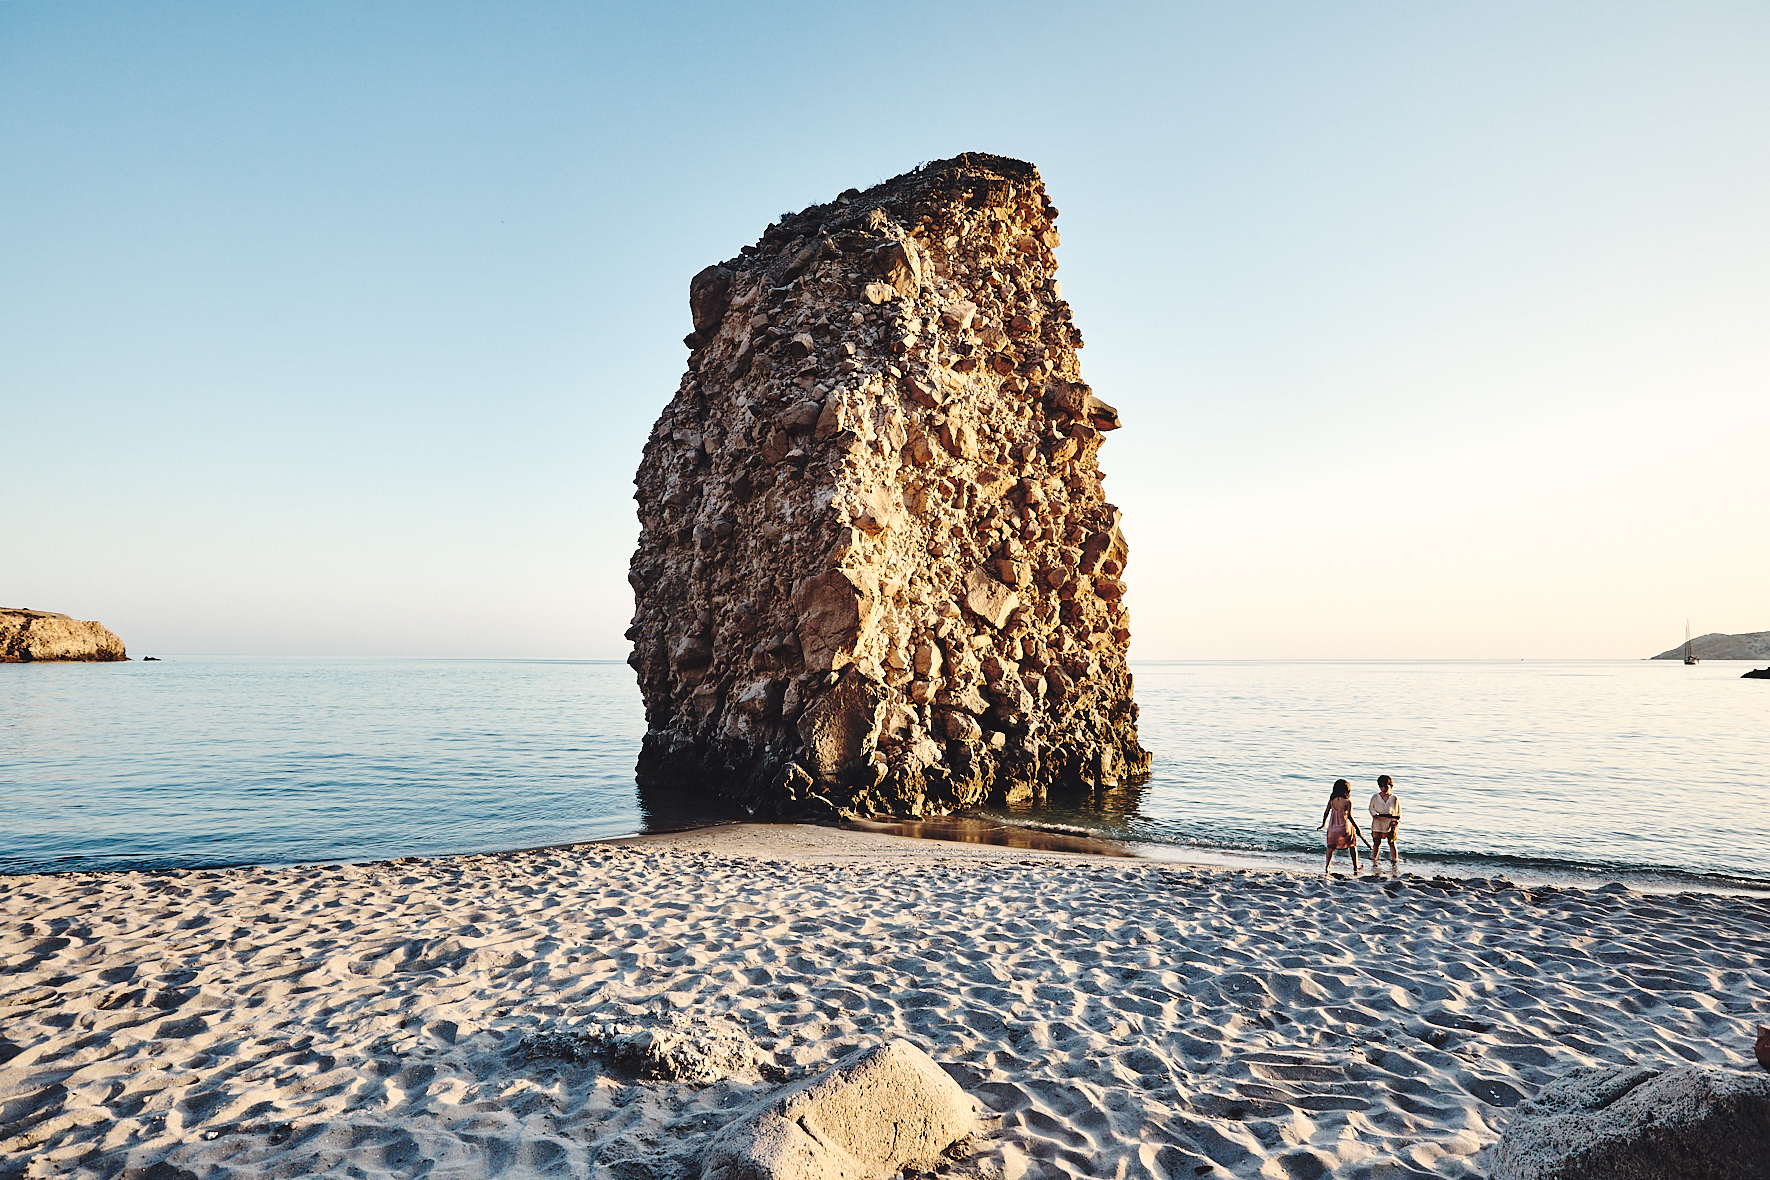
[(1583, 772)]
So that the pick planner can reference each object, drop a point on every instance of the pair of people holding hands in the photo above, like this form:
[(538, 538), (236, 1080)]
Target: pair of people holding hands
[(1342, 830)]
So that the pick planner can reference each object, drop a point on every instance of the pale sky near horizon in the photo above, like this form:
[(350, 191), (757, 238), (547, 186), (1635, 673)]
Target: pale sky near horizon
[(1439, 331)]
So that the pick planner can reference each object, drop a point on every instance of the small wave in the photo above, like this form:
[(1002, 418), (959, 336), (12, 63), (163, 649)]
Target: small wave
[(1294, 849)]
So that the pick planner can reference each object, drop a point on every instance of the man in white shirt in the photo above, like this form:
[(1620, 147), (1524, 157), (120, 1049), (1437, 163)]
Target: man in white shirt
[(1385, 817)]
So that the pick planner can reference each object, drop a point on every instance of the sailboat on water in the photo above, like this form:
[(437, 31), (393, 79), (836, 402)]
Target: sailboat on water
[(1688, 658)]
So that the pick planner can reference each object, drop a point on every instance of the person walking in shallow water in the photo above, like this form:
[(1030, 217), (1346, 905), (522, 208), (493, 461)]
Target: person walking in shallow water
[(1385, 819), (1342, 829)]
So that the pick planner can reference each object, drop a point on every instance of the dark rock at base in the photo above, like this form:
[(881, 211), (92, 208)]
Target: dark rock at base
[(1757, 674), (1627, 1123), (37, 636)]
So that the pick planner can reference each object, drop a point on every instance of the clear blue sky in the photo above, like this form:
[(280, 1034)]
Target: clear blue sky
[(1438, 330)]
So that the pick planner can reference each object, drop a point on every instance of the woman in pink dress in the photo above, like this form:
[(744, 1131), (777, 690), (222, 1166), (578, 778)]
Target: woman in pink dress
[(1342, 829)]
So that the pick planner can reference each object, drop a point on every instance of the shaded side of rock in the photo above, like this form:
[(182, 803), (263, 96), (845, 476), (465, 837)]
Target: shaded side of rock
[(30, 636), (876, 1112), (877, 571), (1627, 1123)]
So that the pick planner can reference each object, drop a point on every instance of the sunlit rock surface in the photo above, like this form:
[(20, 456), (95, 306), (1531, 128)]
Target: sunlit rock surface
[(29, 636)]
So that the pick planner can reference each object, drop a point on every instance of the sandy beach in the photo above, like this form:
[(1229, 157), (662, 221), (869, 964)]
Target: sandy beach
[(1119, 1017)]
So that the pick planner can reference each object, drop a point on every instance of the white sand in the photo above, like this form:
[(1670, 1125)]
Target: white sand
[(1124, 1017)]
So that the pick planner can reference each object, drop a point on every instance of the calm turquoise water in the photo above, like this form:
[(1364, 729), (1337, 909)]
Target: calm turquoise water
[(1643, 771)]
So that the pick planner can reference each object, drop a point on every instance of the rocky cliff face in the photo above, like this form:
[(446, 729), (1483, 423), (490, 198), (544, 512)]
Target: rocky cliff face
[(876, 570), (27, 636), (1752, 645)]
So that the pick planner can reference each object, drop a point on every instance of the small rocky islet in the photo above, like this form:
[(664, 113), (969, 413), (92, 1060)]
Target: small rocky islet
[(877, 572), (40, 636), (1748, 645)]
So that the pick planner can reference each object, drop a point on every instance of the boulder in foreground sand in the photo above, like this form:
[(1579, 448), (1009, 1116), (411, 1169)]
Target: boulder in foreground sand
[(33, 636), (873, 1113), (1691, 1123)]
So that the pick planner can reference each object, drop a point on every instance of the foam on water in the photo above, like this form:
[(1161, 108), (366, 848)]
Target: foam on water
[(1591, 771)]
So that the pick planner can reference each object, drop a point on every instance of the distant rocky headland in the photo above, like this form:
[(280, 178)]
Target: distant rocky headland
[(1753, 645), (876, 569), (37, 636)]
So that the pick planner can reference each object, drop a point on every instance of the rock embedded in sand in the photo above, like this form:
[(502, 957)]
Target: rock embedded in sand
[(1628, 1123), (876, 1112), (36, 636), (876, 569), (678, 1048)]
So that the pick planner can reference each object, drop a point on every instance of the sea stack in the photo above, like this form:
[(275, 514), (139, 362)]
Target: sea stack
[(39, 636), (877, 573)]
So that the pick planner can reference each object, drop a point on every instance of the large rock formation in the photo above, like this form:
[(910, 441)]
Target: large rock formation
[(1752, 645), (28, 636), (876, 569)]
